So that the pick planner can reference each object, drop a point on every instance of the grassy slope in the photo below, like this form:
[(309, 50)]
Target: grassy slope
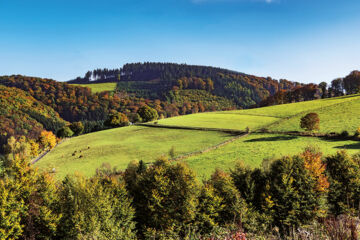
[(336, 118), (336, 114), (99, 87), (256, 147), (220, 120), (122, 145)]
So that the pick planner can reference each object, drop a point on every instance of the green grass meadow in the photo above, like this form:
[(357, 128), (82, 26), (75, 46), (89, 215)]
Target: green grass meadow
[(336, 115), (220, 120), (120, 146), (251, 150), (123, 145), (99, 87), (336, 118)]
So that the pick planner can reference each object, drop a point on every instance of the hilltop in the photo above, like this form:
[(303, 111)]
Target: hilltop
[(171, 82)]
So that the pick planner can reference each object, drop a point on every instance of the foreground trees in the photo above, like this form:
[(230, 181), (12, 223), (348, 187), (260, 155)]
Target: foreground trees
[(164, 200)]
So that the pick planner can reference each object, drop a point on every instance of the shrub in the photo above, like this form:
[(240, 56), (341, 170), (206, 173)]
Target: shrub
[(65, 132), (344, 134), (135, 118), (117, 120), (77, 127), (310, 122), (147, 113)]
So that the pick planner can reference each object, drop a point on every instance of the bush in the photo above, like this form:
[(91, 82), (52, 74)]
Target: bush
[(147, 113), (117, 120), (344, 134), (65, 132), (310, 122), (135, 118), (77, 127)]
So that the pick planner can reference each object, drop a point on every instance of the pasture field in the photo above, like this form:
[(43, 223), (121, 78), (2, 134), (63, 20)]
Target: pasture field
[(336, 118), (120, 146), (99, 87), (291, 109), (336, 115), (251, 150), (219, 120)]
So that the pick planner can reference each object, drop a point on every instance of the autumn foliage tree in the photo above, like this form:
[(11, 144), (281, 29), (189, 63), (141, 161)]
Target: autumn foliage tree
[(314, 164), (117, 120), (48, 140), (310, 122)]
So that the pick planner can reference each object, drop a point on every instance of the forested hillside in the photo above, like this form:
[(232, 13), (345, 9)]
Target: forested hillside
[(76, 103), (22, 115), (161, 80)]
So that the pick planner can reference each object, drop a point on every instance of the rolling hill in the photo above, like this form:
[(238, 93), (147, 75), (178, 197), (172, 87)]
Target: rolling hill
[(336, 115), (162, 80), (123, 145), (120, 146)]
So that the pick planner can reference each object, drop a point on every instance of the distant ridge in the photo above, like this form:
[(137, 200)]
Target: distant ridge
[(162, 80)]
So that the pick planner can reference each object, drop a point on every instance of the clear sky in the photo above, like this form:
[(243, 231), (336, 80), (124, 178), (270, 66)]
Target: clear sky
[(300, 40)]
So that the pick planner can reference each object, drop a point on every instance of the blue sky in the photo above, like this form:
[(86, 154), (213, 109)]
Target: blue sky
[(300, 40)]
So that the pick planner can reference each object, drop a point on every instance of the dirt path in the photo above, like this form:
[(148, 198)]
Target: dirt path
[(35, 160)]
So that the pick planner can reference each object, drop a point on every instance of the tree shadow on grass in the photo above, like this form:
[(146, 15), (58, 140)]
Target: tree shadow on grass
[(272, 139), (350, 146)]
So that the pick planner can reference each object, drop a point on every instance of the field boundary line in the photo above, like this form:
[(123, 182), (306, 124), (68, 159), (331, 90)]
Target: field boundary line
[(231, 131), (187, 155)]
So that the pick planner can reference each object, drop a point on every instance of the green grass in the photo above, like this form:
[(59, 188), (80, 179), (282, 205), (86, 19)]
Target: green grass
[(99, 87), (220, 120), (121, 145), (336, 115), (254, 148), (336, 118), (290, 109)]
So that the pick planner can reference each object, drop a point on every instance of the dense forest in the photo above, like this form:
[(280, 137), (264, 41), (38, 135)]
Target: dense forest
[(22, 115), (158, 80)]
